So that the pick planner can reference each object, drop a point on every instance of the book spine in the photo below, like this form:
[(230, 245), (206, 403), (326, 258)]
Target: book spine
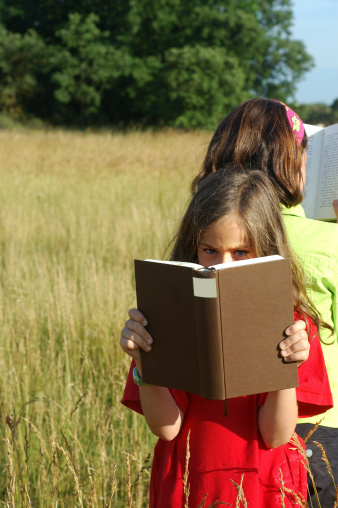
[(208, 335)]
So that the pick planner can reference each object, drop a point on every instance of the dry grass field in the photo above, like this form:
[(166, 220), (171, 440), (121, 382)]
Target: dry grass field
[(75, 210)]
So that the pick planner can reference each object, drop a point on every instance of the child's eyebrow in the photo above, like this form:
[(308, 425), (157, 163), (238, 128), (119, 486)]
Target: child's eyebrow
[(237, 247), (209, 245)]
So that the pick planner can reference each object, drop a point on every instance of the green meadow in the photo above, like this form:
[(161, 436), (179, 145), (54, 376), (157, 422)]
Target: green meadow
[(75, 210)]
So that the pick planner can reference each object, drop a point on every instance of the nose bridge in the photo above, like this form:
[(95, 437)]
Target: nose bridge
[(225, 257)]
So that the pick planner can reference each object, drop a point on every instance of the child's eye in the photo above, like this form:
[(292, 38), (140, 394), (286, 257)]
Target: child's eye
[(241, 253), (210, 251)]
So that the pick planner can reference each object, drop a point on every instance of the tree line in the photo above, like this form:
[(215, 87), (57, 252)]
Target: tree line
[(145, 62)]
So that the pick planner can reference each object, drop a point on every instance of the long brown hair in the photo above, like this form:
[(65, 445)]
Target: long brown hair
[(251, 197), (257, 134)]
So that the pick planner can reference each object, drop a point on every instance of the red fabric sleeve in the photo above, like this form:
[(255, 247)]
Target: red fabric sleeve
[(131, 395), (313, 393), (262, 398)]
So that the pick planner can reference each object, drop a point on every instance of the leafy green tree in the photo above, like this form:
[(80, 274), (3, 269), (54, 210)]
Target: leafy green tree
[(84, 65), (334, 112), (198, 89), (257, 32), (49, 16), (317, 113), (173, 62), (20, 58), (248, 42)]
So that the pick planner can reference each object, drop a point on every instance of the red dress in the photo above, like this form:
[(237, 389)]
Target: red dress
[(223, 449)]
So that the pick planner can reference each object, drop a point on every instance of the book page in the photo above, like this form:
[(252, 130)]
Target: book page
[(328, 182), (198, 267), (245, 262), (177, 263), (314, 152), (312, 129)]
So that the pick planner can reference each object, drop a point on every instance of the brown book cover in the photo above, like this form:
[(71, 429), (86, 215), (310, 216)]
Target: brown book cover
[(216, 331)]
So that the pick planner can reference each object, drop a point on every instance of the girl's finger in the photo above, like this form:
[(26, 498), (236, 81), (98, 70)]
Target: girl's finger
[(299, 336), (136, 315), (299, 357), (301, 345), (133, 338), (298, 325), (138, 329), (130, 348), (128, 344), (335, 207)]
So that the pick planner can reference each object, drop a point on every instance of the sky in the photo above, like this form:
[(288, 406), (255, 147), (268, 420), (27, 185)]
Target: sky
[(316, 24)]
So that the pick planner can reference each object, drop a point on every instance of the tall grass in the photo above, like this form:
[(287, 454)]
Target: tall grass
[(75, 210)]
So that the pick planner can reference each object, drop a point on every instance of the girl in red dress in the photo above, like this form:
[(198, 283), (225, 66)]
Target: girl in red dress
[(233, 216)]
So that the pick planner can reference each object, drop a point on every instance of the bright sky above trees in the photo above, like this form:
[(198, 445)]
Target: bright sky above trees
[(316, 24)]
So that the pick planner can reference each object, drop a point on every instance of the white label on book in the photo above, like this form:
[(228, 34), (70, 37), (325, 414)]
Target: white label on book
[(205, 288)]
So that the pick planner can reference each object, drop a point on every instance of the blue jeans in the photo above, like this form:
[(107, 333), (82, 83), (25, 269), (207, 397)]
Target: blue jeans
[(328, 438)]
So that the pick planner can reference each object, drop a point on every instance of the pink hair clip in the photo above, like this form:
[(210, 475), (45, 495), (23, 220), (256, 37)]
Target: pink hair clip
[(295, 122)]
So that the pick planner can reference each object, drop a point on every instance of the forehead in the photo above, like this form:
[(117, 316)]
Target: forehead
[(225, 232)]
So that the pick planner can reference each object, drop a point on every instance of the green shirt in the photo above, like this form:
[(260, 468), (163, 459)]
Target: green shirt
[(316, 245)]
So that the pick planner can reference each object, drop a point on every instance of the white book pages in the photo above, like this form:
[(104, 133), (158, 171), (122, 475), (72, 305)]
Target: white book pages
[(243, 262)]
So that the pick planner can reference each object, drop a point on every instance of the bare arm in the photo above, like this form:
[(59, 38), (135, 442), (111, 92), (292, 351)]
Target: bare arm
[(277, 418), (163, 416)]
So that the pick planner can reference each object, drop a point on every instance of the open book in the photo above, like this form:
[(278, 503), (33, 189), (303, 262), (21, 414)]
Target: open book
[(321, 183), (216, 330)]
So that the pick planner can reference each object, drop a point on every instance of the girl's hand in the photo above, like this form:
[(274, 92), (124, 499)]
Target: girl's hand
[(134, 335), (163, 416), (335, 207), (296, 347)]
